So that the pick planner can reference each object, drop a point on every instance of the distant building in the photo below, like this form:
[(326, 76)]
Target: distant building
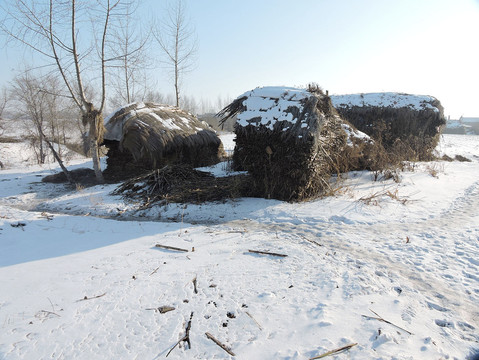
[(465, 125), (472, 123)]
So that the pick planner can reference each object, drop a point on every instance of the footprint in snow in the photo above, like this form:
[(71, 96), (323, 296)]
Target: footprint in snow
[(444, 323)]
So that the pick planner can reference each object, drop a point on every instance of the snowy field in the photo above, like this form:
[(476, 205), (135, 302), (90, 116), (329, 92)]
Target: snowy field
[(391, 268)]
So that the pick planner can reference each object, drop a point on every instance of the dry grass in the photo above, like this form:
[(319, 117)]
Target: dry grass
[(375, 198), (434, 169)]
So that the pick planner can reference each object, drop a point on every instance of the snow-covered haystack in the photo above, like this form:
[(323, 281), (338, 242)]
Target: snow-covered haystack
[(146, 136), (290, 140), (406, 125)]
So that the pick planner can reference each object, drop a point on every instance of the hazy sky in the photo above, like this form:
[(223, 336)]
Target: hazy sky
[(428, 47)]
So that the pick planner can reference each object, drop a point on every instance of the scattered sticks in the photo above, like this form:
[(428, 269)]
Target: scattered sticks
[(380, 318), (90, 298), (221, 345), (266, 253), (170, 248), (185, 338), (335, 351)]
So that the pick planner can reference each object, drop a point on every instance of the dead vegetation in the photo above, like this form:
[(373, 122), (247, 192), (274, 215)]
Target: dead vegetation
[(375, 198), (183, 184)]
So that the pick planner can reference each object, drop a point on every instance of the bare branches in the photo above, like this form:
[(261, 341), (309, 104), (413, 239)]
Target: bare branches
[(178, 42)]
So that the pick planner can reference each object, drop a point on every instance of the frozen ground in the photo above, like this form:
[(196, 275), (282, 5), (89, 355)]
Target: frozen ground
[(80, 272)]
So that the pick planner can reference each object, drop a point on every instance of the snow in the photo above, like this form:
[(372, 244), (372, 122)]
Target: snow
[(352, 133), (385, 99), (267, 105), (80, 273)]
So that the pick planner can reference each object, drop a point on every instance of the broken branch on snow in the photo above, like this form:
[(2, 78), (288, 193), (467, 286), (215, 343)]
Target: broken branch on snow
[(170, 248), (335, 351), (221, 345), (266, 253), (185, 338)]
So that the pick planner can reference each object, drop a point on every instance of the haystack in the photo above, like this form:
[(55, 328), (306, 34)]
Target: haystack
[(408, 126), (290, 141), (141, 137)]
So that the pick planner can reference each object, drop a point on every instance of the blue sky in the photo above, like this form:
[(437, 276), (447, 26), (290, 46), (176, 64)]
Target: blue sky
[(415, 46), (428, 47)]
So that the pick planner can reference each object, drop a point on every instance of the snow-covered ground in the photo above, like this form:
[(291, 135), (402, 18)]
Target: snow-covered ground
[(81, 277)]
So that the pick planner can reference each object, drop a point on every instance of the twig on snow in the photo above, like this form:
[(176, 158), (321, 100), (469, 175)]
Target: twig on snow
[(266, 253), (251, 316), (311, 241), (154, 271), (194, 286), (162, 309), (46, 216), (90, 298), (184, 338), (380, 318), (335, 351), (170, 248), (221, 345), (46, 312), (20, 225)]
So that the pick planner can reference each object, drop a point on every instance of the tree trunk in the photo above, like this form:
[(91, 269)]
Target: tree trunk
[(95, 155), (96, 130), (58, 159)]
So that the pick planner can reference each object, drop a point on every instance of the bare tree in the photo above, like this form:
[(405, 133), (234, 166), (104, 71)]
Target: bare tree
[(130, 60), (39, 104), (71, 35), (178, 42)]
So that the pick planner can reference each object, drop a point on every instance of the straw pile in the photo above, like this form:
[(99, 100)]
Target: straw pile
[(407, 126), (145, 136), (289, 140)]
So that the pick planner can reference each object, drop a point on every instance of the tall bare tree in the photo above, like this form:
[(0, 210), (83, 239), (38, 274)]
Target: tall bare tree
[(177, 40), (71, 35), (130, 60)]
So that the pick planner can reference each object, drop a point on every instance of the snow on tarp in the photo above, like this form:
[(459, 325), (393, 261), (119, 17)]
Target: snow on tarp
[(386, 99)]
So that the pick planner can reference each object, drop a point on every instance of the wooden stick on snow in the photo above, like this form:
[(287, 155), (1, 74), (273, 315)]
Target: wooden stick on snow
[(267, 253), (335, 351), (170, 248), (217, 342)]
